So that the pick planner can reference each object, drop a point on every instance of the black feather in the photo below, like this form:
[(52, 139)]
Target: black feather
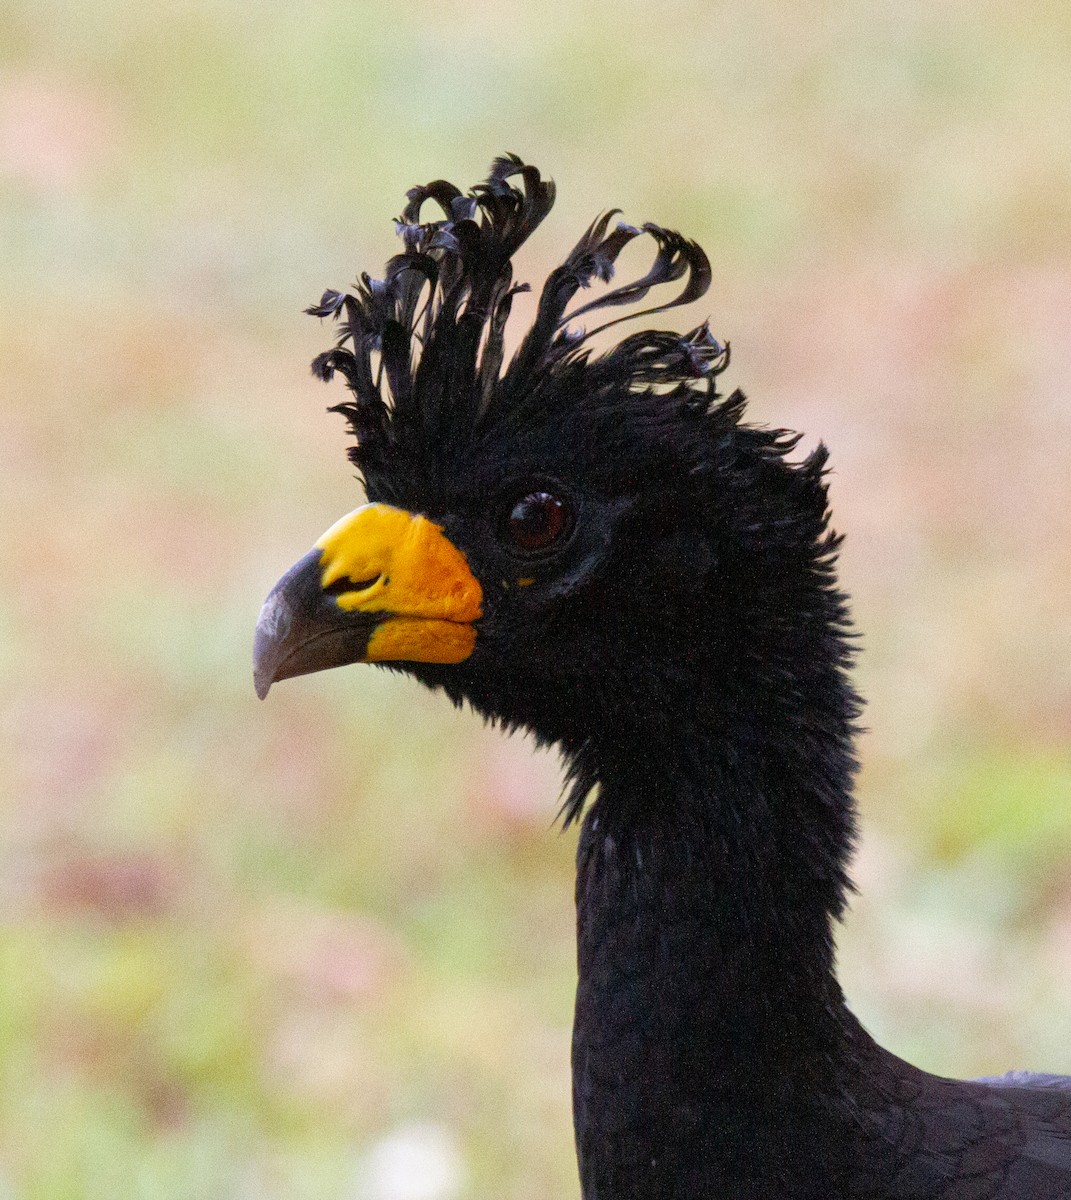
[(422, 349), (686, 648)]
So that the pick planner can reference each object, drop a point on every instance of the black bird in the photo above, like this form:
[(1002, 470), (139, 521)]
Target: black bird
[(593, 545)]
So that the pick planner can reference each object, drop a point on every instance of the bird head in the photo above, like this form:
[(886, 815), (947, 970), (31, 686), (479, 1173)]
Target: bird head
[(576, 541)]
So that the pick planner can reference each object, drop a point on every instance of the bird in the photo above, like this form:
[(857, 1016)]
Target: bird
[(586, 540)]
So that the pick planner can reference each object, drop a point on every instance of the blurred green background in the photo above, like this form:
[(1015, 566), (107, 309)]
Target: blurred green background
[(322, 947)]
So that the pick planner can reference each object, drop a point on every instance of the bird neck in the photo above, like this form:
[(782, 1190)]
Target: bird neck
[(709, 1024)]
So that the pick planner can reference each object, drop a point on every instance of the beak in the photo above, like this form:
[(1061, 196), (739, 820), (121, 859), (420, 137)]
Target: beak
[(381, 585)]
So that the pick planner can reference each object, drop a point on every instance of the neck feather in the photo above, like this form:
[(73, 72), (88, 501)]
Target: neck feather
[(709, 1024)]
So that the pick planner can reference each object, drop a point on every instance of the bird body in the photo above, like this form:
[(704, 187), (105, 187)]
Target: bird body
[(598, 548)]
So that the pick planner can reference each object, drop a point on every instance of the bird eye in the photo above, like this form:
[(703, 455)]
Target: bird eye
[(538, 521)]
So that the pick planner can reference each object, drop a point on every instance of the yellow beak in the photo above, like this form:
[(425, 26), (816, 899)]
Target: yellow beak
[(381, 585)]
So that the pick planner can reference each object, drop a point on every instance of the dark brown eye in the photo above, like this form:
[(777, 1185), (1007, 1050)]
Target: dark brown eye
[(538, 521)]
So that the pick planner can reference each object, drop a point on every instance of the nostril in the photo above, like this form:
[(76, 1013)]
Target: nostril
[(345, 584)]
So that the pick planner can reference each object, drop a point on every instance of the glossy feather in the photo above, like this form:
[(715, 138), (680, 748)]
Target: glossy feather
[(687, 649)]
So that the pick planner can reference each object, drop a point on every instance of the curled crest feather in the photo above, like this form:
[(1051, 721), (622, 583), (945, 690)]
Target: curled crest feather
[(422, 349)]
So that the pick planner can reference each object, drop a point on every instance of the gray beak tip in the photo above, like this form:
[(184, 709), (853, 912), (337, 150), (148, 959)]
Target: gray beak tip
[(273, 625), (301, 630)]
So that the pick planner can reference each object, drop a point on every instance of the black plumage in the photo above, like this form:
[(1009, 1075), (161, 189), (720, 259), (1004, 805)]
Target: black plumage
[(658, 600)]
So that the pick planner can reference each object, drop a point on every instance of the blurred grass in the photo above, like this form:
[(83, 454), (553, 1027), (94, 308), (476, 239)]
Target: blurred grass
[(245, 949)]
